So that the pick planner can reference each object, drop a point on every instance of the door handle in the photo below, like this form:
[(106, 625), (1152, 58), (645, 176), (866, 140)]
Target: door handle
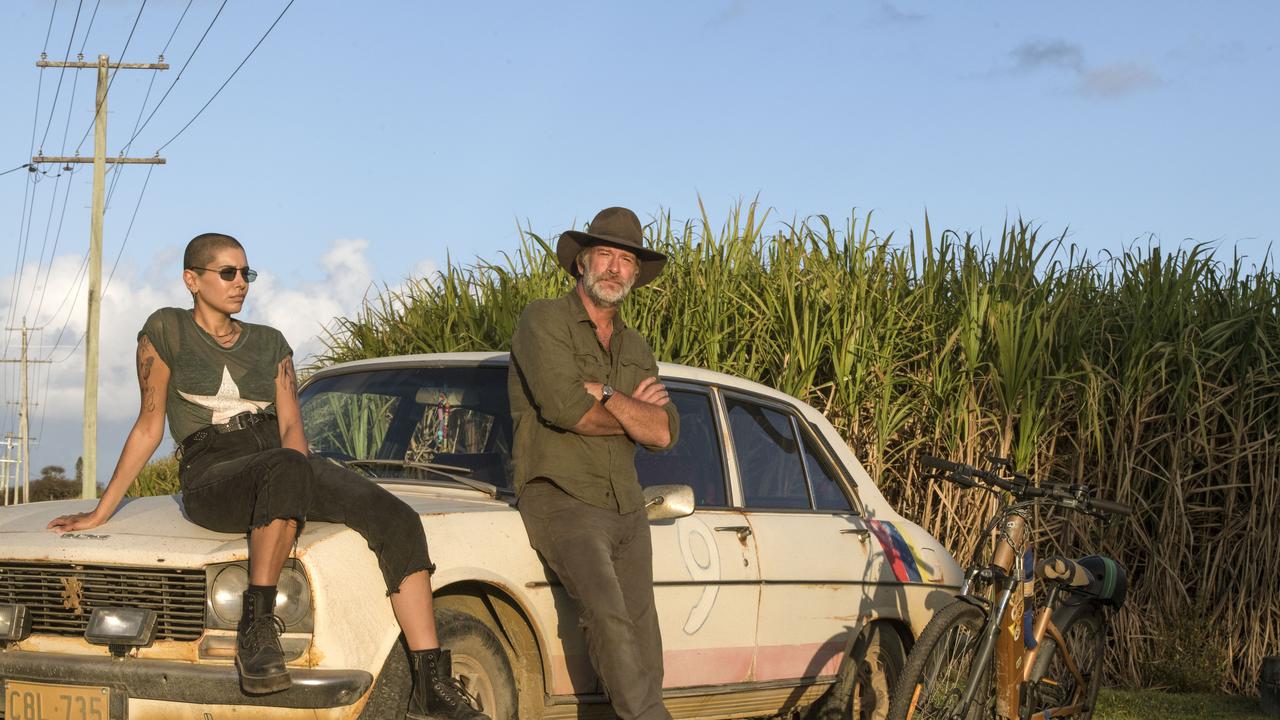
[(862, 533), (743, 531)]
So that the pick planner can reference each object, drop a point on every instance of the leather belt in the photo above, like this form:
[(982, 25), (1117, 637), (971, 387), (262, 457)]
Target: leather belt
[(236, 423)]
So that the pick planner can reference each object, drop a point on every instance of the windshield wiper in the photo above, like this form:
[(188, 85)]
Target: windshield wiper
[(452, 472)]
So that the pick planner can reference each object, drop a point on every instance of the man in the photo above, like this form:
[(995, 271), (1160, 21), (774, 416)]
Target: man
[(584, 392)]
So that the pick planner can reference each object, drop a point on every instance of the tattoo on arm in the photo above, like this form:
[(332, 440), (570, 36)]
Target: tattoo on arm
[(146, 359), (288, 376)]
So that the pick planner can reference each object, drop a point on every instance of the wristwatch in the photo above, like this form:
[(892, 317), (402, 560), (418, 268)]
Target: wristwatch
[(606, 392)]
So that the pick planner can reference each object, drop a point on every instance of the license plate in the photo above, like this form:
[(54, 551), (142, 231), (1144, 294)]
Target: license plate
[(36, 701)]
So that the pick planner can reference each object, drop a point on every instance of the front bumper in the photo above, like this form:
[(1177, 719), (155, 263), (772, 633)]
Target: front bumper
[(184, 682)]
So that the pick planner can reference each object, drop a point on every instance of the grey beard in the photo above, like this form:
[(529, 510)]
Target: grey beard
[(590, 282)]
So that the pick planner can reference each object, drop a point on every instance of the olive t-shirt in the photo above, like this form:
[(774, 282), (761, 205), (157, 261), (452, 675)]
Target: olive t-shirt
[(208, 383)]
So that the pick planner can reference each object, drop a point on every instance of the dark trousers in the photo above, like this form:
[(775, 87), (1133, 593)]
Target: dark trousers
[(238, 481), (605, 561)]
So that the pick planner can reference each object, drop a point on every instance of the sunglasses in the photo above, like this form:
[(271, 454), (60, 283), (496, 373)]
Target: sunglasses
[(229, 273)]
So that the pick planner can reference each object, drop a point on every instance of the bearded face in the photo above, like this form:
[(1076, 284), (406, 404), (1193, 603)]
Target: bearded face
[(608, 274)]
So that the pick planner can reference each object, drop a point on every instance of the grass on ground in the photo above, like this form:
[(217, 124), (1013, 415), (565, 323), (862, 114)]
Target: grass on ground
[(1148, 704)]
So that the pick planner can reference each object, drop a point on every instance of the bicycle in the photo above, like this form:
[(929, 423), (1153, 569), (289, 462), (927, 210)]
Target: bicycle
[(977, 659)]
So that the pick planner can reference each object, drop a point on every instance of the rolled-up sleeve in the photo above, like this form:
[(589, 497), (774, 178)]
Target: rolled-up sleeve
[(673, 427), (543, 352)]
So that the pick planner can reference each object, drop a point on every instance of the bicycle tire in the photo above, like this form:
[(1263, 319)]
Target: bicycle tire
[(938, 668), (1053, 685)]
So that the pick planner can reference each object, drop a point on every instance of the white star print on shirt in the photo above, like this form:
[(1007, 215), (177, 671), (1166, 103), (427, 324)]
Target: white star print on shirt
[(227, 403)]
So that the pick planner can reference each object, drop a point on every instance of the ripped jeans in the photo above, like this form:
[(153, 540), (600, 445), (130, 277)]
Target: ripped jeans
[(237, 481)]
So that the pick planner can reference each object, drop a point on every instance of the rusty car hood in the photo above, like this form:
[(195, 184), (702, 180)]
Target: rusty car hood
[(150, 530)]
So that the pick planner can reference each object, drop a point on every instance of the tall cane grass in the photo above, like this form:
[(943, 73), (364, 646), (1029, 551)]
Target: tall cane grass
[(1152, 375)]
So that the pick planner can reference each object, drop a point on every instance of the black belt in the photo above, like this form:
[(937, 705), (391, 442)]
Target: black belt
[(236, 423)]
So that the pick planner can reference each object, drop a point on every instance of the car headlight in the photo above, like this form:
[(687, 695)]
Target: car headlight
[(15, 623), (121, 628), (228, 583)]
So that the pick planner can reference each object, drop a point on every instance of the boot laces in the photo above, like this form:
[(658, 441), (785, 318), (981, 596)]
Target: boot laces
[(452, 691), (264, 630)]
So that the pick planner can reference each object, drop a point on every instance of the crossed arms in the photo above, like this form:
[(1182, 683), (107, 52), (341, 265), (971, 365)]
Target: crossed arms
[(543, 352)]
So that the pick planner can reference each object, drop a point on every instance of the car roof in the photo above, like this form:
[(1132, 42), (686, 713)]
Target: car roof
[(669, 371)]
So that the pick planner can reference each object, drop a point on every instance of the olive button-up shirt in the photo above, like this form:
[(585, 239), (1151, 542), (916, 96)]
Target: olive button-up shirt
[(553, 352)]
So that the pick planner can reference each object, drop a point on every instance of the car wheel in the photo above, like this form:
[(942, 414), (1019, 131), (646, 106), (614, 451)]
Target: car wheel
[(479, 662), (867, 676)]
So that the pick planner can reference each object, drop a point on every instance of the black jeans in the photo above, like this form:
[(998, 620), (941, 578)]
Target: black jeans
[(238, 481), (605, 561)]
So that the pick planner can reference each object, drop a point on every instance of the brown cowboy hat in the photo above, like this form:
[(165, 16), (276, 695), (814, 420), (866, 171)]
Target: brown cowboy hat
[(618, 227)]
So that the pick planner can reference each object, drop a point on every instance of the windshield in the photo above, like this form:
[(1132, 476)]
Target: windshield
[(408, 418)]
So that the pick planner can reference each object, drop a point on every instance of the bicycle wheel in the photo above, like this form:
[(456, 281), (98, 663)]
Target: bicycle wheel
[(938, 669), (1058, 688)]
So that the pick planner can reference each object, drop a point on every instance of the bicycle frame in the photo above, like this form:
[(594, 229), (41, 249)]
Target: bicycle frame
[(1003, 633)]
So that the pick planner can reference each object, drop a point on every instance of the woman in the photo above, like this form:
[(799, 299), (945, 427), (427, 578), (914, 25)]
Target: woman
[(229, 392)]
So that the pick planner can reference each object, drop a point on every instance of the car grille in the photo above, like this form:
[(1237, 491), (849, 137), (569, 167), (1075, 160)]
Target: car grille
[(61, 596)]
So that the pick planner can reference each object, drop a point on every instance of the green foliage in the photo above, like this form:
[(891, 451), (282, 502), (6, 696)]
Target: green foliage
[(1153, 376), (53, 487), (159, 477)]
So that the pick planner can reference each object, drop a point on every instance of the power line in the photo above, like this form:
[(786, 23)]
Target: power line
[(28, 194), (58, 91), (112, 80), (117, 170), (181, 70), (54, 253), (66, 129), (80, 275), (229, 79), (129, 231), (111, 275), (48, 224)]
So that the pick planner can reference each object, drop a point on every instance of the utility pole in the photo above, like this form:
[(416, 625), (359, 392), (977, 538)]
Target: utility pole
[(89, 484), (24, 416), (5, 464)]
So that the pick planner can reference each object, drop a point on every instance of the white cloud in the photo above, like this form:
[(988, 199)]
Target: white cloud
[(302, 312)]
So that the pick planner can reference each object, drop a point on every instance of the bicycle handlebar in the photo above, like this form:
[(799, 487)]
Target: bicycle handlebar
[(1021, 487)]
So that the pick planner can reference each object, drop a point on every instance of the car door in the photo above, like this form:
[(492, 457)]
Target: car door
[(706, 576), (811, 541)]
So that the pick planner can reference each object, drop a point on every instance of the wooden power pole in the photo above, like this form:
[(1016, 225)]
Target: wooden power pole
[(23, 478), (89, 483), (5, 464)]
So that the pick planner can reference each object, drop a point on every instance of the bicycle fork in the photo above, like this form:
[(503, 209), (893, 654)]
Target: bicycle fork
[(986, 649)]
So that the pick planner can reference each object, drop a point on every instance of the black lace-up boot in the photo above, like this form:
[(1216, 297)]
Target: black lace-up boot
[(436, 694), (259, 659)]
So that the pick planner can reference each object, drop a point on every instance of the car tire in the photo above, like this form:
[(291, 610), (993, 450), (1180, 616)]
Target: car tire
[(866, 678), (390, 694), (480, 662)]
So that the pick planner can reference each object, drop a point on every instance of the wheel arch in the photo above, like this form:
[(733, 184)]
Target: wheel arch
[(514, 625)]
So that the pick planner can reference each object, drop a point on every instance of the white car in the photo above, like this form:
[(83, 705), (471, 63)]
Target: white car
[(788, 582)]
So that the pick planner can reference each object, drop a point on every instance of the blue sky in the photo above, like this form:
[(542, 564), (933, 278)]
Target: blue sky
[(366, 142)]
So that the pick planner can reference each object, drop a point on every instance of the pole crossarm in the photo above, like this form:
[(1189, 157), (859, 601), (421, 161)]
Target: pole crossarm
[(94, 65), (88, 160)]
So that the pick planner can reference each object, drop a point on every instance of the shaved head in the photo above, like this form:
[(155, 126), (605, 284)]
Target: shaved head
[(202, 248)]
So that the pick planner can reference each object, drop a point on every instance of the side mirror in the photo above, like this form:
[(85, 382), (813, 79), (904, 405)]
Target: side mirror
[(664, 502)]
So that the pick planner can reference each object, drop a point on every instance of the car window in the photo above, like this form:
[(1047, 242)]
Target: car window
[(456, 416), (350, 425), (769, 458), (695, 460), (827, 494)]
